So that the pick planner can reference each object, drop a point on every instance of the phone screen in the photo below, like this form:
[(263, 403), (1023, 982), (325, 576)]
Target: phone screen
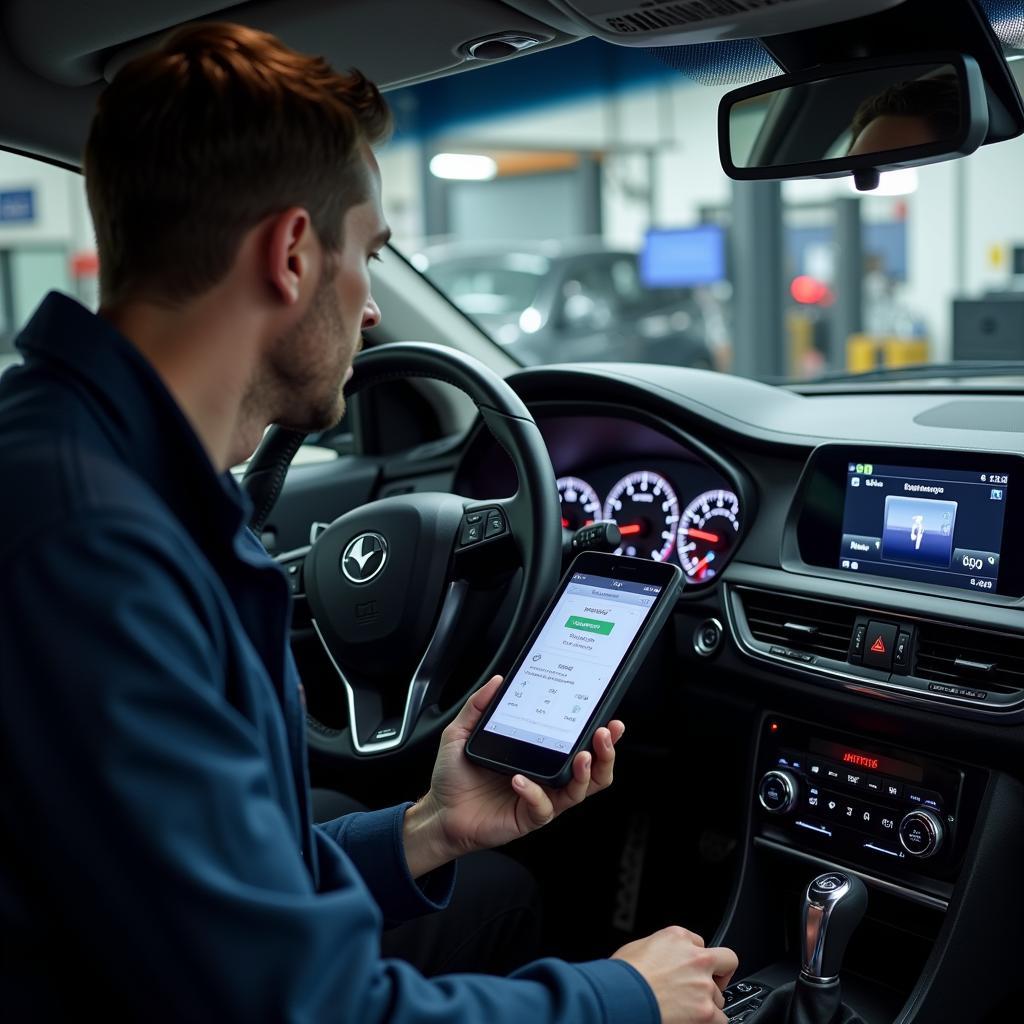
[(576, 654)]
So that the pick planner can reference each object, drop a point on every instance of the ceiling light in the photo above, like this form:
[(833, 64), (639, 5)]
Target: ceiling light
[(463, 166)]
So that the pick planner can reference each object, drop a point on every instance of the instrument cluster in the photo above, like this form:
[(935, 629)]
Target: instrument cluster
[(664, 510)]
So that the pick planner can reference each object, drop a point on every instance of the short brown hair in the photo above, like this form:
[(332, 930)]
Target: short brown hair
[(936, 99), (196, 142)]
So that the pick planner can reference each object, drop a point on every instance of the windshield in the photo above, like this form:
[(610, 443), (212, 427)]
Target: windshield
[(573, 204)]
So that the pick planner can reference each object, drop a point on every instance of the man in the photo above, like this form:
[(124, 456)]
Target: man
[(911, 113), (158, 857)]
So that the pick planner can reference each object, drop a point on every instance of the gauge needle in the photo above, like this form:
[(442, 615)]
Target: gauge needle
[(709, 557), (630, 529), (711, 538)]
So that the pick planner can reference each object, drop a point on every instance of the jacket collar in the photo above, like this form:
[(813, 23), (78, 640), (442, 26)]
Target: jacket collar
[(138, 416)]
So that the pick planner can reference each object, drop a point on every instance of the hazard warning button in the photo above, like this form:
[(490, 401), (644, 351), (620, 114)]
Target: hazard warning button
[(879, 645)]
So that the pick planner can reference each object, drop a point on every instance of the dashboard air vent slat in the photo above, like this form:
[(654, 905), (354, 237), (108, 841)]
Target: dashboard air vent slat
[(802, 624), (953, 654)]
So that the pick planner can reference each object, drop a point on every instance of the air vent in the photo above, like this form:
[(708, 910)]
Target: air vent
[(973, 658), (801, 624), (683, 22)]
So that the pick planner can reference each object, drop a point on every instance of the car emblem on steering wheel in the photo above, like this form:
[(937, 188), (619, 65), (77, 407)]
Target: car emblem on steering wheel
[(364, 557)]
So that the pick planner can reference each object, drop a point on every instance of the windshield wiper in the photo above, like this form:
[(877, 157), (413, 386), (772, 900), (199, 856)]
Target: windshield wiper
[(959, 369)]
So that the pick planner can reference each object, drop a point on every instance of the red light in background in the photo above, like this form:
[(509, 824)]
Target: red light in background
[(808, 290), (774, 727)]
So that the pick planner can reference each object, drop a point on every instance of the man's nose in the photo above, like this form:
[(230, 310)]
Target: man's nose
[(371, 314)]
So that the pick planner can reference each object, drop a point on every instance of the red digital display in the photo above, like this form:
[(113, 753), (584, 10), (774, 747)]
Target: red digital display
[(874, 762), (860, 759)]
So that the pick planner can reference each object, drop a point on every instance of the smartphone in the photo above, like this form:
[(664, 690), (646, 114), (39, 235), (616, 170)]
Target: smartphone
[(577, 665)]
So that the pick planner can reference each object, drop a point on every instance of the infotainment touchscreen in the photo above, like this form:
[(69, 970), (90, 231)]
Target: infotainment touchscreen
[(941, 526)]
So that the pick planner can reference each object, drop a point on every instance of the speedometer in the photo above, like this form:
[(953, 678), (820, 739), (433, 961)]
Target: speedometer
[(580, 504), (707, 532), (647, 512)]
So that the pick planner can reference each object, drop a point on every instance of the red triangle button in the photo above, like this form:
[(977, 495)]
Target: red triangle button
[(879, 645)]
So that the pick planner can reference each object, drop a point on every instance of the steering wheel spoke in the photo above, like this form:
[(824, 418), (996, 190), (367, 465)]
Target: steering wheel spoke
[(372, 730)]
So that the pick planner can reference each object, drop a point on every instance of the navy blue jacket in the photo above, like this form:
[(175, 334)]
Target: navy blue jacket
[(157, 856)]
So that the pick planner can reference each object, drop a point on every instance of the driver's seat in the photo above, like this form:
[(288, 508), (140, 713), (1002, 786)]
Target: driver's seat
[(329, 804)]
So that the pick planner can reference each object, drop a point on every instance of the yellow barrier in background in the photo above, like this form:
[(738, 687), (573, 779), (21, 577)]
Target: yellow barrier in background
[(866, 352)]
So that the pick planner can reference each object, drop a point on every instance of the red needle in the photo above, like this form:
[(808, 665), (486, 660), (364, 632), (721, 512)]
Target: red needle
[(628, 531), (713, 538), (700, 565)]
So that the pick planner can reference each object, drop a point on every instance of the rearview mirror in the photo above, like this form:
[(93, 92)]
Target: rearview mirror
[(860, 118)]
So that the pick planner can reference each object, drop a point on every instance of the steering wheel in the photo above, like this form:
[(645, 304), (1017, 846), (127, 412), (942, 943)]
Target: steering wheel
[(391, 585)]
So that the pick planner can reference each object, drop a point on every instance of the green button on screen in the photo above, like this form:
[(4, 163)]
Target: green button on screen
[(601, 626)]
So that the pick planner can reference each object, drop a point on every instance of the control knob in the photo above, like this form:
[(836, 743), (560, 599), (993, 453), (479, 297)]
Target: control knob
[(921, 833), (778, 791)]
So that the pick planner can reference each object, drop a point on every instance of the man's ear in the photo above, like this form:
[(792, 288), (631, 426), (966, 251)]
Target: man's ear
[(292, 253)]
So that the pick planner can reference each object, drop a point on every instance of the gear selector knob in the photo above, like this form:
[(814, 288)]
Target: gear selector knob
[(833, 907)]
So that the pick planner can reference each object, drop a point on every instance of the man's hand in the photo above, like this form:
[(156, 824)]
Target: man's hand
[(687, 979), (472, 808)]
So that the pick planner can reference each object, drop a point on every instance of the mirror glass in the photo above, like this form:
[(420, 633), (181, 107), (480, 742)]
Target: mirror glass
[(875, 111)]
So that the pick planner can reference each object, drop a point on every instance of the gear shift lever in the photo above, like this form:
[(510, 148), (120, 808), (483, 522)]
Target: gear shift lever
[(833, 907)]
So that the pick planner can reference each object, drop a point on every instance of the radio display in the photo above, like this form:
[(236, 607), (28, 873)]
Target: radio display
[(862, 759), (940, 526)]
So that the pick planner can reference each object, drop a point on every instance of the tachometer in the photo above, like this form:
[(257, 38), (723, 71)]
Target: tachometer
[(647, 512), (580, 504), (707, 531)]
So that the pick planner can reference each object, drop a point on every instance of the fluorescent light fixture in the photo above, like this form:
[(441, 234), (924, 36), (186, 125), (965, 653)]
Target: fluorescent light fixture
[(463, 166), (892, 183)]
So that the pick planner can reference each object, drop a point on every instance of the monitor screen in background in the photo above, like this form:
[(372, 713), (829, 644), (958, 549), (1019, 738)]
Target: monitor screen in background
[(683, 257)]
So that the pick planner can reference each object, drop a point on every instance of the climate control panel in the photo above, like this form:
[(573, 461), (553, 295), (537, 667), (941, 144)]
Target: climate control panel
[(855, 799)]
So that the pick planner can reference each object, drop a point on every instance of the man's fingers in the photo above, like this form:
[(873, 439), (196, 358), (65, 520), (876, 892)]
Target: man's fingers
[(579, 785), (616, 728), (535, 803), (725, 965), (604, 758), (477, 705)]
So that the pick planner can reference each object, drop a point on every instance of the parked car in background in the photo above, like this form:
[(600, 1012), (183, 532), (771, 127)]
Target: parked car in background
[(567, 302)]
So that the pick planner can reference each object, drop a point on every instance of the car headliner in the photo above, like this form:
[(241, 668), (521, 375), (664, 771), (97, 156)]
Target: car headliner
[(56, 55)]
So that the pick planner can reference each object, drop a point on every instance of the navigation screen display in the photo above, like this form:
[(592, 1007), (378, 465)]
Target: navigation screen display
[(928, 525), (574, 658)]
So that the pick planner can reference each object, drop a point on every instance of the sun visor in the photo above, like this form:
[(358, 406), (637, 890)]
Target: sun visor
[(682, 22)]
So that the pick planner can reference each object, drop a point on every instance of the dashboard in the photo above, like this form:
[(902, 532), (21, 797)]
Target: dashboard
[(831, 521)]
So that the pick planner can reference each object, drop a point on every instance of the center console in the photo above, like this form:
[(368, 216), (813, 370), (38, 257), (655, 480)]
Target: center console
[(890, 812), (936, 845)]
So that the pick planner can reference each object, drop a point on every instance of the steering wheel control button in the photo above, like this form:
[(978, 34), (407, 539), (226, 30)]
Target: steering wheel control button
[(777, 792), (471, 533), (879, 645), (364, 557), (495, 524), (921, 833), (474, 517), (293, 573)]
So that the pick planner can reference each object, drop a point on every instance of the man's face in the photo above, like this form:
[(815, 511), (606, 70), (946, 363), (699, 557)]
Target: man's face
[(313, 361)]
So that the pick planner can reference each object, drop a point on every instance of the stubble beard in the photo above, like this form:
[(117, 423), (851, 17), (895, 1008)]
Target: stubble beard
[(306, 368)]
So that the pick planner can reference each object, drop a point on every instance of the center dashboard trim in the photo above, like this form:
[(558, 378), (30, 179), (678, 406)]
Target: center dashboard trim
[(851, 678)]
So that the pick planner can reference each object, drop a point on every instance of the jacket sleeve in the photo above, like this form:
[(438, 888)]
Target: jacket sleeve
[(372, 841), (145, 798)]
